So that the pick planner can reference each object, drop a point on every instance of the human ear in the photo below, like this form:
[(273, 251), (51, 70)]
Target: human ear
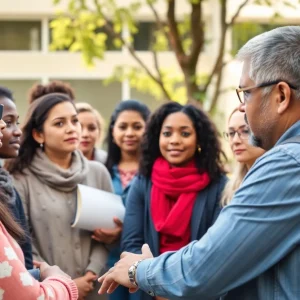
[(38, 136), (284, 97)]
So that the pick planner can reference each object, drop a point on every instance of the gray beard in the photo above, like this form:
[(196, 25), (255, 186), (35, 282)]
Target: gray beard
[(255, 141)]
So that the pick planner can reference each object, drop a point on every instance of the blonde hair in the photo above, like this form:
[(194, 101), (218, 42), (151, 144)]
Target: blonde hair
[(86, 107), (236, 179)]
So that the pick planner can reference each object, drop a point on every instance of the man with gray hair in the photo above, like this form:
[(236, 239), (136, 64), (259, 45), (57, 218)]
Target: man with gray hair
[(252, 252)]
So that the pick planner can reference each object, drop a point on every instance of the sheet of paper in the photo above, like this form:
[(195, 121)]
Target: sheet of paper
[(97, 208)]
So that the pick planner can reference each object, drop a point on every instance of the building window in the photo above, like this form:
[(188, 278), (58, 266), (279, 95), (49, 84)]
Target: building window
[(20, 35), (143, 39)]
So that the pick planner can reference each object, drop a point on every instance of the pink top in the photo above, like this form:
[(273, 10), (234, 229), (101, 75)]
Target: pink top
[(17, 283), (126, 177)]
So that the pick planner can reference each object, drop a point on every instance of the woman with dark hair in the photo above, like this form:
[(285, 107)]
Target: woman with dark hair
[(10, 149), (126, 128), (46, 172), (176, 197), (15, 281)]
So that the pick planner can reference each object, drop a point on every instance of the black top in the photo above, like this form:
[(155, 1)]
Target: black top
[(19, 215)]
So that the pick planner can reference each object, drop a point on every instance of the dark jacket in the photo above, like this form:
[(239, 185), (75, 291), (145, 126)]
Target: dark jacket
[(138, 225), (18, 213)]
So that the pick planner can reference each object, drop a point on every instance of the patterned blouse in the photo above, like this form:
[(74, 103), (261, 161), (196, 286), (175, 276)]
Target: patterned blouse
[(17, 283), (126, 177)]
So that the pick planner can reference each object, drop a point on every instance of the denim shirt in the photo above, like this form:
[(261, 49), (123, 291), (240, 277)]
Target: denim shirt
[(252, 252)]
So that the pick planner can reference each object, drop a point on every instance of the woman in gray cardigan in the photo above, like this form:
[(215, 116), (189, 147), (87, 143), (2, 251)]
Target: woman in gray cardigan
[(46, 173)]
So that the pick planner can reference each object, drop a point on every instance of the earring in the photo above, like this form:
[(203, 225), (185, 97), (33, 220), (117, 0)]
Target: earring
[(41, 145), (199, 149)]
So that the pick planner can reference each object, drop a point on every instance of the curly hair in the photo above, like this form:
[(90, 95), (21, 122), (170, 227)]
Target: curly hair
[(39, 90), (207, 138), (113, 151)]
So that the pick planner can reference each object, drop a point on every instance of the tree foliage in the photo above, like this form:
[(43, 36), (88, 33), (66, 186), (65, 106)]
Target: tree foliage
[(94, 26)]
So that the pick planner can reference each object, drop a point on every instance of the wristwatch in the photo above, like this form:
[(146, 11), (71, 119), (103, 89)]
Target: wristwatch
[(132, 272)]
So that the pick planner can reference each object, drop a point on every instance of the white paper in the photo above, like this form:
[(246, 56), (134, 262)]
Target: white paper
[(97, 208)]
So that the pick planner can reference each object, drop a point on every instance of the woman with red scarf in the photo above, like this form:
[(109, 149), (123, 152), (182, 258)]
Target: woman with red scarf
[(175, 198)]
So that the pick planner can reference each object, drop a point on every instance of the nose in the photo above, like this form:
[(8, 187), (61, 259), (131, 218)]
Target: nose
[(175, 139), (129, 131), (84, 132), (242, 107), (71, 127), (236, 139), (17, 132), (2, 125)]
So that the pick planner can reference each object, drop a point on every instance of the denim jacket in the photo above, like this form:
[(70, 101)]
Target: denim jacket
[(114, 254), (252, 252)]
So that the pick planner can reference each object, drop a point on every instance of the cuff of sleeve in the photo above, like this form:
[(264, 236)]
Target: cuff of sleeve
[(95, 268), (69, 283), (141, 277)]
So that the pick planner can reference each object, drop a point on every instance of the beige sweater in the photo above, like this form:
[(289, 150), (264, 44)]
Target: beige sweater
[(48, 193)]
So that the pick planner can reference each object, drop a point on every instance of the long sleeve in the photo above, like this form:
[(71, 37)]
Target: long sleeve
[(17, 283), (22, 189), (256, 231), (98, 258), (133, 230), (26, 245)]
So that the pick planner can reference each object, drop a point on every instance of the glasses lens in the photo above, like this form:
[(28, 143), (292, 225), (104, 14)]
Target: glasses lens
[(244, 134)]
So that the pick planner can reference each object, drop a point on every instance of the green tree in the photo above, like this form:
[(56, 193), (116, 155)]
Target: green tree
[(86, 26)]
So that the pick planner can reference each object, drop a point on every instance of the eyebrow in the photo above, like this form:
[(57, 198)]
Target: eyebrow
[(10, 116), (63, 118), (181, 127), (242, 126)]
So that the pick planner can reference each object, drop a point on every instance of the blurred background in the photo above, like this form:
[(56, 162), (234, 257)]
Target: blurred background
[(97, 47)]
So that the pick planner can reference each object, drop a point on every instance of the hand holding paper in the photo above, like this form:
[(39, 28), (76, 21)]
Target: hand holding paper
[(109, 236)]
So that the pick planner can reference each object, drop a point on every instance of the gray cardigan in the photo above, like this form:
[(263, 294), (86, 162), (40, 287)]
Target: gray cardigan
[(50, 212)]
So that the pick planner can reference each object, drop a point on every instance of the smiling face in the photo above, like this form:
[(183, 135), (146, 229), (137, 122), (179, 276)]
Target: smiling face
[(90, 132), (128, 131), (242, 150), (12, 133), (178, 140), (61, 130)]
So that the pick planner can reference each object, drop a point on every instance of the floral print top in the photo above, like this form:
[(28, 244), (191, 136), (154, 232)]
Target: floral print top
[(17, 283)]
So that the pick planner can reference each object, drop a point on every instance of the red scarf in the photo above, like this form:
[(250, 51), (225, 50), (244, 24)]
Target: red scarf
[(173, 195)]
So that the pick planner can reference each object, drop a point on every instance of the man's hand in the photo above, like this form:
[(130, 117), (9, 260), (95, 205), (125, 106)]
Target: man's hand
[(119, 273), (85, 284), (109, 236)]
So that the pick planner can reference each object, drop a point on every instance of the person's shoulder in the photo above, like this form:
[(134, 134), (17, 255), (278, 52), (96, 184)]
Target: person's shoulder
[(100, 155), (96, 167), (25, 175), (141, 182), (291, 150), (219, 182)]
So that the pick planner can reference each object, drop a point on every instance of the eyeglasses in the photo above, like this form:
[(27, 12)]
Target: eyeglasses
[(1, 111), (265, 84), (242, 134)]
